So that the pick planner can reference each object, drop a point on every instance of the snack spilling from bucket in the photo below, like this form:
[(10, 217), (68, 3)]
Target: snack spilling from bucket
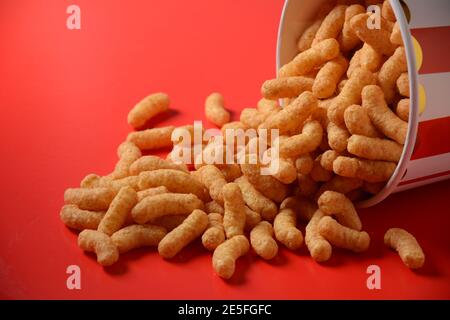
[(342, 131)]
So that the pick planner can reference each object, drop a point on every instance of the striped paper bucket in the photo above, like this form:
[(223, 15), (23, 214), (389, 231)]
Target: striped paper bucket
[(425, 27)]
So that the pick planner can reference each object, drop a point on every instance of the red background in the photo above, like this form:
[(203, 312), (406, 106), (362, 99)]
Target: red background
[(64, 99)]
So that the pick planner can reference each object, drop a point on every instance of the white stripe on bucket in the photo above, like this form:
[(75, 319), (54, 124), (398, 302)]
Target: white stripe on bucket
[(429, 13), (436, 90), (427, 166), (420, 183)]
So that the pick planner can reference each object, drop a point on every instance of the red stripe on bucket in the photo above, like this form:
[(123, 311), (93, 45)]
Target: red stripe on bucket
[(436, 175), (435, 48), (433, 138)]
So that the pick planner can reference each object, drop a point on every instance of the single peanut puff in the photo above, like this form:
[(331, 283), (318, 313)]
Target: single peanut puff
[(147, 108), (234, 217), (382, 116), (226, 254), (307, 60), (151, 139), (403, 84), (165, 204), (328, 77), (215, 111), (343, 237), (101, 244), (95, 199), (285, 229), (137, 236), (261, 239), (391, 70), (368, 170), (78, 219), (374, 148), (337, 137), (191, 228), (402, 109), (174, 180), (149, 163), (299, 144), (118, 211), (332, 25), (407, 247), (289, 87), (291, 117)]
